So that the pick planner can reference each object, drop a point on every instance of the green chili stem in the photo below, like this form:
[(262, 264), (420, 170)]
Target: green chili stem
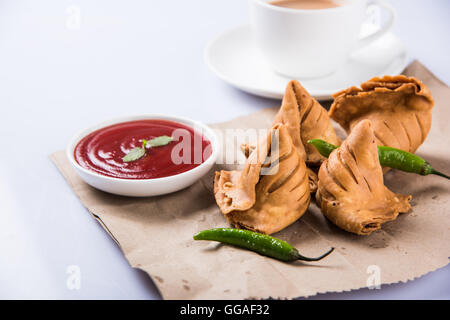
[(439, 174), (315, 259), (257, 242), (389, 157)]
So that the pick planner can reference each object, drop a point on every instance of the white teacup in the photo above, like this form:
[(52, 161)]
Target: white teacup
[(312, 43)]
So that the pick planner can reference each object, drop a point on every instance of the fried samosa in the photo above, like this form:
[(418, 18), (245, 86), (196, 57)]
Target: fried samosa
[(271, 201), (398, 107), (314, 121), (305, 119), (351, 192)]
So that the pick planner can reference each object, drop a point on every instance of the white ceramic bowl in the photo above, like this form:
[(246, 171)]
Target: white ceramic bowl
[(144, 187)]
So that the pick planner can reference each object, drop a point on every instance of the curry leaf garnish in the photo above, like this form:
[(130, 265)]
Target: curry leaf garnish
[(139, 152), (158, 141)]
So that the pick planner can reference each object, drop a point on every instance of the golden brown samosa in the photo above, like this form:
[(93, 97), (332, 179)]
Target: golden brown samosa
[(305, 119), (398, 107), (270, 202), (314, 122), (351, 192)]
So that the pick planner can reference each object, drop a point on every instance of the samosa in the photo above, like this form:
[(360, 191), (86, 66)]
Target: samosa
[(399, 108), (351, 192), (272, 190), (305, 119)]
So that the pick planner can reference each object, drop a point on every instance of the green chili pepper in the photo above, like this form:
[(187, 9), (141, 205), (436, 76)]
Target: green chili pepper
[(389, 157), (323, 147), (260, 243)]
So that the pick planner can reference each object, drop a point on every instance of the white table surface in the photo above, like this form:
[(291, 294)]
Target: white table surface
[(126, 57)]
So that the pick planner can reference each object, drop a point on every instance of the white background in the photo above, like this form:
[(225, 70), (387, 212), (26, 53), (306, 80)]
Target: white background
[(127, 57)]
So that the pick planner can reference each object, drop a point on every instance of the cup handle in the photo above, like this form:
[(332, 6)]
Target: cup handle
[(384, 29)]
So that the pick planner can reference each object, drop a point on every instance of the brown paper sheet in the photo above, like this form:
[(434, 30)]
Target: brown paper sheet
[(155, 234)]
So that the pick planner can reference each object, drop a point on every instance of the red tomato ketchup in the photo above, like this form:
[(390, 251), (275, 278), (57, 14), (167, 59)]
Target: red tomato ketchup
[(102, 150)]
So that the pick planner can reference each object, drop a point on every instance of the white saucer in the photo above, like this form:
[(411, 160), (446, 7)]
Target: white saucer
[(234, 57)]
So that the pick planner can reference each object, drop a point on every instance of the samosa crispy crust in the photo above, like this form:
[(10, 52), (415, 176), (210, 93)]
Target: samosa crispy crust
[(398, 107), (304, 119), (314, 121), (270, 202), (351, 192)]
